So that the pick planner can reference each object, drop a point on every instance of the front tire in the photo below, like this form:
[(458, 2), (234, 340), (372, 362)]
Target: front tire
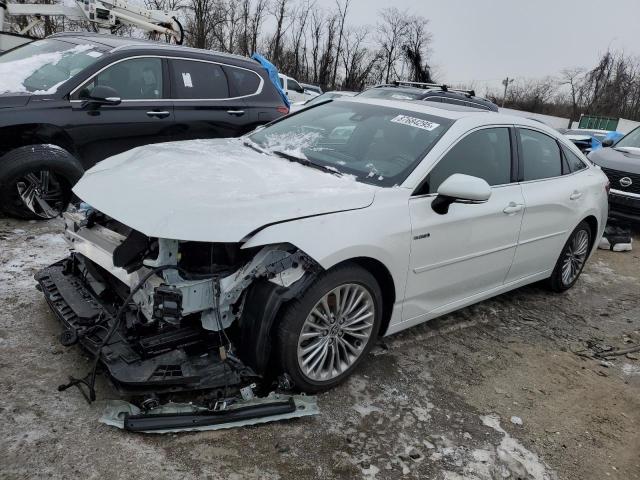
[(572, 258), (325, 334), (36, 181)]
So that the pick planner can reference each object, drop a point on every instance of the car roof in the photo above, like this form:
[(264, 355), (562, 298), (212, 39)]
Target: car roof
[(452, 112), (435, 91), (116, 43)]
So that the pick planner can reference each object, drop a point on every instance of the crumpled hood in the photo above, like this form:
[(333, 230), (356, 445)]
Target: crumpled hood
[(212, 190), (623, 159)]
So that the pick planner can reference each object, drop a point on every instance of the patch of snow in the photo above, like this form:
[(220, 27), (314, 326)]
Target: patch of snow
[(630, 369), (514, 457), (516, 420), (15, 73), (23, 255)]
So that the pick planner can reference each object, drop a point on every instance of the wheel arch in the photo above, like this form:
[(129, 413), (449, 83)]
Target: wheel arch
[(16, 136), (592, 221), (385, 281)]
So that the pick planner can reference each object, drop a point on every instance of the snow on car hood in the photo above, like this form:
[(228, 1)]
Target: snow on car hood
[(212, 190)]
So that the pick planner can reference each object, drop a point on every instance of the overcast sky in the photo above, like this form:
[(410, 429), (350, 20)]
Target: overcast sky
[(487, 40)]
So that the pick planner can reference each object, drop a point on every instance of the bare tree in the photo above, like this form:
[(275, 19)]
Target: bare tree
[(280, 12), (573, 78), (392, 29), (415, 48), (342, 13)]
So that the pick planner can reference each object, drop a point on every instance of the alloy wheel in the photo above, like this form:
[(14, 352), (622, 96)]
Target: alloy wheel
[(42, 193), (575, 256), (336, 332)]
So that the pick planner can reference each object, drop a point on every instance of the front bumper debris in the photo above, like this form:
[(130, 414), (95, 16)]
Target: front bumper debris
[(180, 417), (172, 361)]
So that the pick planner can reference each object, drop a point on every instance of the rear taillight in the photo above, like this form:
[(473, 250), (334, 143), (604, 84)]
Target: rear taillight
[(283, 110), (607, 186)]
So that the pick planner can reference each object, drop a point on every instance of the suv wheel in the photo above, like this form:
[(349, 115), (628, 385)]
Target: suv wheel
[(36, 181), (325, 334)]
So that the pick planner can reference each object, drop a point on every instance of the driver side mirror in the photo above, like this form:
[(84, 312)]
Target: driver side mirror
[(101, 95), (607, 142), (459, 188)]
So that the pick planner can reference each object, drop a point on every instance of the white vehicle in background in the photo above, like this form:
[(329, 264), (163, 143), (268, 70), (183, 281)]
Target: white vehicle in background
[(321, 98), (312, 89), (296, 246), (294, 90)]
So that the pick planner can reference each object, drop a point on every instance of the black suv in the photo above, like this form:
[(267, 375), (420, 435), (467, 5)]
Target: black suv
[(620, 161), (71, 100), (431, 92)]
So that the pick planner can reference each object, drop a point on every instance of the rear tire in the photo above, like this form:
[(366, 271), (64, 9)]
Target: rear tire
[(36, 181), (332, 325), (572, 259)]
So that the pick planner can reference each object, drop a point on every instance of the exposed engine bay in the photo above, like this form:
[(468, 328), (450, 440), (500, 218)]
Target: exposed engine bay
[(162, 317)]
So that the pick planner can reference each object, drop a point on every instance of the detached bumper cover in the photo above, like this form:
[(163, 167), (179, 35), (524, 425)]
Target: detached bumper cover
[(86, 319), (176, 417)]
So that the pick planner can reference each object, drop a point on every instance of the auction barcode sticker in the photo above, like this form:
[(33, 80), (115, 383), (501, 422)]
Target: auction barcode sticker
[(415, 122)]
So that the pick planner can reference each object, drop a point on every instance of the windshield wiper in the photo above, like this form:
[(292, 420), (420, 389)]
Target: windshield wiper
[(306, 162)]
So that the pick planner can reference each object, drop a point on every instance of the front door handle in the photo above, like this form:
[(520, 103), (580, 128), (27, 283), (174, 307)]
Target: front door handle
[(575, 195), (236, 112), (158, 113), (512, 208)]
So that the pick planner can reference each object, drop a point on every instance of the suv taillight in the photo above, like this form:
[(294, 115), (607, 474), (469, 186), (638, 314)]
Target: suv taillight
[(283, 110)]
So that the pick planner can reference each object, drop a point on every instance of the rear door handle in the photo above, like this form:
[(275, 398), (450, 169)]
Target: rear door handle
[(575, 195), (236, 112), (512, 208), (158, 113)]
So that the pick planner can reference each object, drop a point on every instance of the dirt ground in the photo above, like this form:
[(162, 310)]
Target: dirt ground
[(438, 401)]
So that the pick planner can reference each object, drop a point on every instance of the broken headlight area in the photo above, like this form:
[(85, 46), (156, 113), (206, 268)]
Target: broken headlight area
[(164, 316)]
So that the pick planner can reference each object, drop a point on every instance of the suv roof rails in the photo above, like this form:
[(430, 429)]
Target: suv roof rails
[(441, 86)]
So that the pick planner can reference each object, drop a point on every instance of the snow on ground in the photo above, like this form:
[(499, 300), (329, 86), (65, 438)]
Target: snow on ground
[(24, 252)]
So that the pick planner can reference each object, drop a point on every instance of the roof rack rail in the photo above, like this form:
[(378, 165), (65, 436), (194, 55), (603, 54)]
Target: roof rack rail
[(441, 86)]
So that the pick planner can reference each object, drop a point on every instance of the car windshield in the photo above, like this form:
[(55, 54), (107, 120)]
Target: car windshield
[(41, 66), (377, 145), (631, 140), (391, 93)]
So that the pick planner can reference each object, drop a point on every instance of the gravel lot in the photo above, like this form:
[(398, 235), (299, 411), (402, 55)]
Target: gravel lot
[(437, 401)]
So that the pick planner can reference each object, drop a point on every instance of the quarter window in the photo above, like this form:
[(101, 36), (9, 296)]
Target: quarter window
[(198, 80), (135, 79), (575, 163), (484, 153), (540, 156), (245, 82)]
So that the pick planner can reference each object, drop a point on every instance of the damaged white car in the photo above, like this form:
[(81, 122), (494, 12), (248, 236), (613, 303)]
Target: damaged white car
[(281, 256)]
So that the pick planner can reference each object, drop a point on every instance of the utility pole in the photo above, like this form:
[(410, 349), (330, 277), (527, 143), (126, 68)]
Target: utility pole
[(506, 82)]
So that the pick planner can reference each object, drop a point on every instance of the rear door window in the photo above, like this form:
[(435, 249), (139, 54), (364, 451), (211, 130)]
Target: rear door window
[(198, 80), (540, 155)]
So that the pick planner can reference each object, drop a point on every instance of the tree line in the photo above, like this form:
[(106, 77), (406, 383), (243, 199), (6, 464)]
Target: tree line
[(610, 88), (309, 42)]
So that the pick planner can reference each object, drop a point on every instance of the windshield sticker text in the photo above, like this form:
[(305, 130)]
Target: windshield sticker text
[(415, 122)]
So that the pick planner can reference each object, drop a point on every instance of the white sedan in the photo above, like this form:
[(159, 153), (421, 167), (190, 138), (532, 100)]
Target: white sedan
[(287, 252)]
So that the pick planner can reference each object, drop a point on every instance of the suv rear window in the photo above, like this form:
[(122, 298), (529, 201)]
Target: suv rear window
[(244, 82), (193, 79)]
